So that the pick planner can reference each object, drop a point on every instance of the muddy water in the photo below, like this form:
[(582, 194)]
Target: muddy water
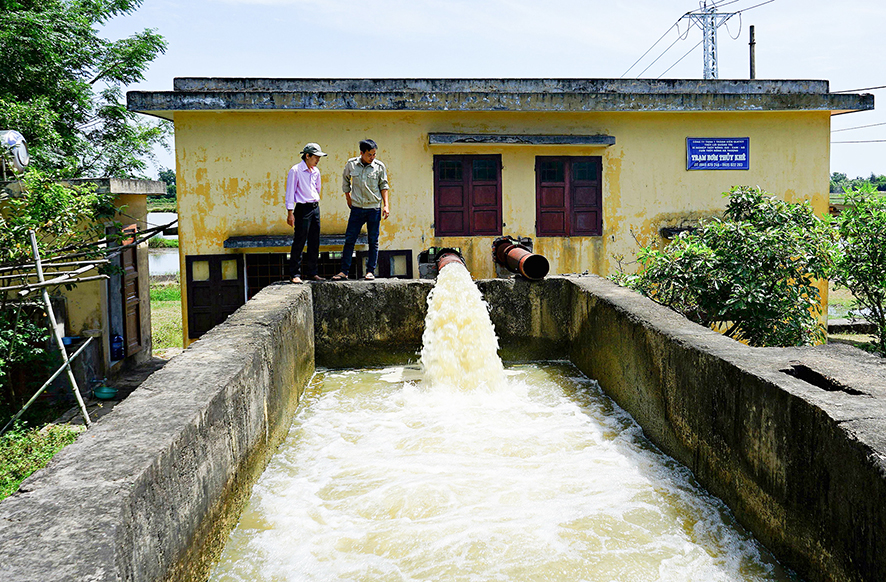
[(462, 469)]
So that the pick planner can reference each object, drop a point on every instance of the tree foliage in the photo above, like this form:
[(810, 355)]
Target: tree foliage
[(751, 273), (840, 182), (168, 176), (861, 264), (61, 215), (61, 85)]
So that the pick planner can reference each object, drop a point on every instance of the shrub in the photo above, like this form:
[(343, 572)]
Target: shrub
[(861, 263), (752, 273)]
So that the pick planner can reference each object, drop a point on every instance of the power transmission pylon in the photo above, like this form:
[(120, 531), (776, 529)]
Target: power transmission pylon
[(708, 19)]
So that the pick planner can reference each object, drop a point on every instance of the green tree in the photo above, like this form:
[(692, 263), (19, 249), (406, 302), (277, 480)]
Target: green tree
[(61, 85), (61, 215), (168, 176), (752, 273), (838, 181), (861, 263)]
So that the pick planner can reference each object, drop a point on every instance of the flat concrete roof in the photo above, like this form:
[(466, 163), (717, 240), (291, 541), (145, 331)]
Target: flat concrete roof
[(260, 94)]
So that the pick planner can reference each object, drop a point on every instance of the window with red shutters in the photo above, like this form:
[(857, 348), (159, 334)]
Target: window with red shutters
[(568, 196), (467, 195)]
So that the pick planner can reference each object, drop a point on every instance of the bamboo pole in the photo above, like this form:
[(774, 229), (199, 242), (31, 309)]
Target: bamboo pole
[(57, 334), (34, 286), (45, 386), (56, 281)]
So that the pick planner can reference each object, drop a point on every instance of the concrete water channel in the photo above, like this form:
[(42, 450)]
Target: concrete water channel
[(793, 440)]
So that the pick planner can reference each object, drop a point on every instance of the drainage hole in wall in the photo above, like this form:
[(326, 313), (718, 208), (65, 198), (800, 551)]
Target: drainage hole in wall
[(819, 380)]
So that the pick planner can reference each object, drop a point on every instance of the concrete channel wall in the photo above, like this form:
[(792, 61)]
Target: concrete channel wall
[(793, 440), (152, 491)]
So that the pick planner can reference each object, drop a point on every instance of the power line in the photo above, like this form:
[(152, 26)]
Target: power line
[(652, 47), (679, 38), (862, 89), (858, 127), (681, 58), (863, 141)]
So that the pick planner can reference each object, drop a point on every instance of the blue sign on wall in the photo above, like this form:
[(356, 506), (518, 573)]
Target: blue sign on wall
[(718, 153)]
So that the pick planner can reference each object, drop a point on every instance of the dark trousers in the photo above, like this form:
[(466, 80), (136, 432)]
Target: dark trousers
[(307, 229), (371, 217)]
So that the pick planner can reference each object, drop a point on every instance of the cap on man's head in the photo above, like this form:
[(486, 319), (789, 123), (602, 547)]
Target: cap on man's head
[(313, 149)]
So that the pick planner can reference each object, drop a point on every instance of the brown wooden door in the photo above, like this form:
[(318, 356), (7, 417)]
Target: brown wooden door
[(216, 289), (569, 196), (467, 195), (132, 327)]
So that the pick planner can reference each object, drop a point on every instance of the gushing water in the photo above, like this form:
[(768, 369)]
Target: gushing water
[(460, 349), (409, 474)]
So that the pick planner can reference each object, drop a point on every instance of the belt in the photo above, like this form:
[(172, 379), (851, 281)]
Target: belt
[(311, 204)]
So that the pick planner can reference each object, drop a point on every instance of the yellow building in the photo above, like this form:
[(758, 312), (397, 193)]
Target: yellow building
[(583, 168)]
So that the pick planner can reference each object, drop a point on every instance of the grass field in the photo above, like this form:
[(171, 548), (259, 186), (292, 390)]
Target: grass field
[(166, 314)]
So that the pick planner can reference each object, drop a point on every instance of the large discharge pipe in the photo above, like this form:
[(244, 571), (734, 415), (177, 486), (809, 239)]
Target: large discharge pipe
[(516, 258), (447, 256)]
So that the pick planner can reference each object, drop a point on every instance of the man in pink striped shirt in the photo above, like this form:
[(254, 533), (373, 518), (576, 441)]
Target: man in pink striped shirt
[(303, 214)]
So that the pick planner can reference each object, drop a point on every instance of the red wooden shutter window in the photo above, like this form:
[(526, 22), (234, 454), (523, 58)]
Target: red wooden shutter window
[(467, 195), (568, 196)]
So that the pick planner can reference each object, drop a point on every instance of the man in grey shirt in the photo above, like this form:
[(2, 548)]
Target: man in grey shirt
[(365, 184)]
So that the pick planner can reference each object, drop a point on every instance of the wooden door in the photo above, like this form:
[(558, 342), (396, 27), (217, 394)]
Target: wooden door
[(132, 326), (216, 289)]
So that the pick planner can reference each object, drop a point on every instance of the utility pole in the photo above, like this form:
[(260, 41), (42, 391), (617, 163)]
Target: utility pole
[(708, 19), (753, 45)]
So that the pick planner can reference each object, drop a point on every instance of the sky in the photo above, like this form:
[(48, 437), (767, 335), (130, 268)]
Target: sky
[(795, 39)]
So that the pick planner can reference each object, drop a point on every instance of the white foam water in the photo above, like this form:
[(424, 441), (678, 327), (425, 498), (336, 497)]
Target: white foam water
[(463, 470), (459, 346)]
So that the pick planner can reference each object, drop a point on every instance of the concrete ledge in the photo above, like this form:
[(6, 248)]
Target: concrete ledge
[(851, 326), (369, 324), (793, 440), (150, 492), (162, 104)]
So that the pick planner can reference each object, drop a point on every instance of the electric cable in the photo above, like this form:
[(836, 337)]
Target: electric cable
[(857, 127), (679, 38), (681, 58), (862, 89), (652, 47), (726, 22)]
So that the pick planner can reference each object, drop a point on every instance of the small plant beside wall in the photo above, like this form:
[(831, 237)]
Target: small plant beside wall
[(861, 262), (751, 274)]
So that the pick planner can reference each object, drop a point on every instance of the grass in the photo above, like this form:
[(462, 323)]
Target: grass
[(161, 204), (157, 242), (166, 314), (25, 450), (840, 302)]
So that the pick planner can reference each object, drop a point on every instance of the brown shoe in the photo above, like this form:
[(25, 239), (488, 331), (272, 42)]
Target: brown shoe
[(339, 277), (316, 278)]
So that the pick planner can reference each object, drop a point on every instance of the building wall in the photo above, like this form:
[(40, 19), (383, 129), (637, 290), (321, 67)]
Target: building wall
[(231, 169)]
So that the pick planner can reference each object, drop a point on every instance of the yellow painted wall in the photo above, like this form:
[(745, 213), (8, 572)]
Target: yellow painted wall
[(231, 170)]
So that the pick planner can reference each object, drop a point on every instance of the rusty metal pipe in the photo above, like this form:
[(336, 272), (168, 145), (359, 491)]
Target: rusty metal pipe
[(447, 256), (516, 258)]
